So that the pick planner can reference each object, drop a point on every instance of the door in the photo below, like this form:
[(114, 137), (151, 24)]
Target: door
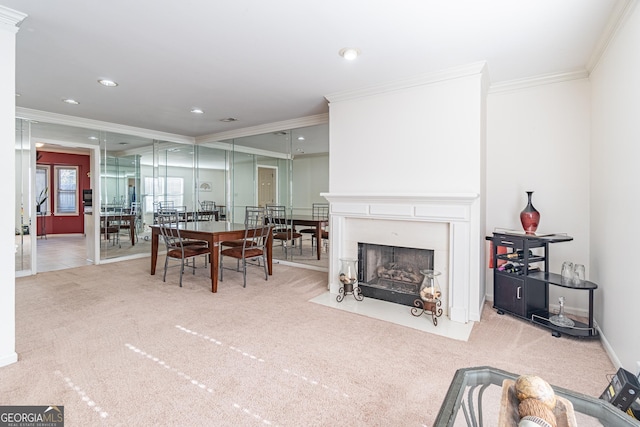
[(267, 194)]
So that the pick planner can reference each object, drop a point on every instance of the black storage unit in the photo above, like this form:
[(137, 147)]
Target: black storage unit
[(623, 390), (523, 290)]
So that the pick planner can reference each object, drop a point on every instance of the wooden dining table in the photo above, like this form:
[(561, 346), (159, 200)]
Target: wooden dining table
[(213, 232), (310, 221)]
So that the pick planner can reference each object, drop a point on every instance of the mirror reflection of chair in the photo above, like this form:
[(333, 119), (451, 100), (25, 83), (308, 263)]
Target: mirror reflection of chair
[(253, 249), (207, 211), (282, 228), (177, 247), (318, 211), (111, 224), (136, 211), (222, 212)]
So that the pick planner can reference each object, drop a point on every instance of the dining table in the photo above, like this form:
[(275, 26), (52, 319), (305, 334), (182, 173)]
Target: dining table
[(310, 221), (213, 232)]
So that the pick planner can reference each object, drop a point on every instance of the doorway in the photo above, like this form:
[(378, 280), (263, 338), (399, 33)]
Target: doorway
[(267, 185)]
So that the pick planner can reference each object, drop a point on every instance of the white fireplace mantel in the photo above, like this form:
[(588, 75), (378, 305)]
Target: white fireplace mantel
[(459, 210)]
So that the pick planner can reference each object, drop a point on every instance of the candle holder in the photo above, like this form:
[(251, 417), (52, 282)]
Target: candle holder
[(349, 279), (429, 301)]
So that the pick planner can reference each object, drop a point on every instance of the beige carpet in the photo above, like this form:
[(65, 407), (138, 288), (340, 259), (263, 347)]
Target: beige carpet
[(117, 346)]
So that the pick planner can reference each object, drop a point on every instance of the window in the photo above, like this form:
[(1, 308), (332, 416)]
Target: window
[(42, 189), (66, 190), (172, 191)]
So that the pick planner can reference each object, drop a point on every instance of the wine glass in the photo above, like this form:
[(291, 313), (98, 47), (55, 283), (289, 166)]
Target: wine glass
[(567, 271)]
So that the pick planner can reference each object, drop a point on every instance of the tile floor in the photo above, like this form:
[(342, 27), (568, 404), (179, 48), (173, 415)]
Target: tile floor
[(398, 314)]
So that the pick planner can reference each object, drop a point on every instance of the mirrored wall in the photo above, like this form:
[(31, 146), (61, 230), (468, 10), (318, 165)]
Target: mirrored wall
[(107, 174)]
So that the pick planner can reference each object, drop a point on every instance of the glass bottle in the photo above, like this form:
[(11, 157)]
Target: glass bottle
[(560, 319)]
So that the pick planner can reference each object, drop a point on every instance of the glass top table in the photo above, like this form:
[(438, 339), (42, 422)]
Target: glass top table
[(471, 400)]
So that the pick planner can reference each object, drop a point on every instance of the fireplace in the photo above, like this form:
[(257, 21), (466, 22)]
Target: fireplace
[(449, 224), (392, 273)]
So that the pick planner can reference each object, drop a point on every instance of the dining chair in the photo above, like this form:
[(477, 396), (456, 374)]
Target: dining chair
[(282, 228), (253, 248), (177, 247), (318, 211)]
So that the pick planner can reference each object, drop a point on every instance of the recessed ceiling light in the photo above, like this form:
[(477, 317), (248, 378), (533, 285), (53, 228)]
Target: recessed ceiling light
[(107, 83), (197, 111), (301, 138), (17, 94), (70, 101), (349, 53), (93, 137), (229, 119)]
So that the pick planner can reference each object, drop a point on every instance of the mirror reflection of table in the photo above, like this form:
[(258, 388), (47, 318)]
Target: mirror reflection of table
[(310, 221), (467, 400), (107, 217)]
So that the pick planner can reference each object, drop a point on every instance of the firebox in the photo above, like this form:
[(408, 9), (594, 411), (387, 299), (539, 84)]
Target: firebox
[(392, 273)]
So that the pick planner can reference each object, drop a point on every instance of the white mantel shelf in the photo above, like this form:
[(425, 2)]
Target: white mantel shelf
[(459, 210), (405, 197)]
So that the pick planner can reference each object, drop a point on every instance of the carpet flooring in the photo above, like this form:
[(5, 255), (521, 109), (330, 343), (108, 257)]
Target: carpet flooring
[(118, 347)]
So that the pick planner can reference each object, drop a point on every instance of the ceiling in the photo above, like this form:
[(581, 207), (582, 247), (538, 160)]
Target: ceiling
[(264, 62)]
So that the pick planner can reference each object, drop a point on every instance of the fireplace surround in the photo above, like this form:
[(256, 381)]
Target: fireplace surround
[(447, 223)]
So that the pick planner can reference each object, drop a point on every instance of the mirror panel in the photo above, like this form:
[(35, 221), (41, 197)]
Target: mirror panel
[(136, 170)]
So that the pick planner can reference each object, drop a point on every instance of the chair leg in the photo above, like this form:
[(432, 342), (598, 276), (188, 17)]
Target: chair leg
[(166, 262), (266, 273), (181, 270), (244, 272)]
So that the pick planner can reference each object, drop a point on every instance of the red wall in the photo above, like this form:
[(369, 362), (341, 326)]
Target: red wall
[(65, 224)]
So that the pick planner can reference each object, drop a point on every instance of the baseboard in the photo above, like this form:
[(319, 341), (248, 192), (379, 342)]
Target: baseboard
[(8, 359), (607, 347)]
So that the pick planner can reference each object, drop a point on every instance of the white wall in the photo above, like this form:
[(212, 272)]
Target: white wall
[(538, 139), (615, 197), (7, 166), (420, 139)]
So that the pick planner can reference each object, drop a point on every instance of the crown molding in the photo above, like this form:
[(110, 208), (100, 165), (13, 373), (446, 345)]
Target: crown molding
[(318, 119), (545, 79), (61, 119), (421, 80), (618, 17), (11, 19)]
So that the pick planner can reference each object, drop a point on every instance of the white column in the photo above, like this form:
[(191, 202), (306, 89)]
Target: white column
[(9, 21)]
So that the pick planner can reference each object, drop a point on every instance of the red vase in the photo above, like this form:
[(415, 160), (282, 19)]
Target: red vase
[(529, 217)]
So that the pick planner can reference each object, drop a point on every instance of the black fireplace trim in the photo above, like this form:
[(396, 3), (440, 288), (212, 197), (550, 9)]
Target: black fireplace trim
[(392, 297)]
